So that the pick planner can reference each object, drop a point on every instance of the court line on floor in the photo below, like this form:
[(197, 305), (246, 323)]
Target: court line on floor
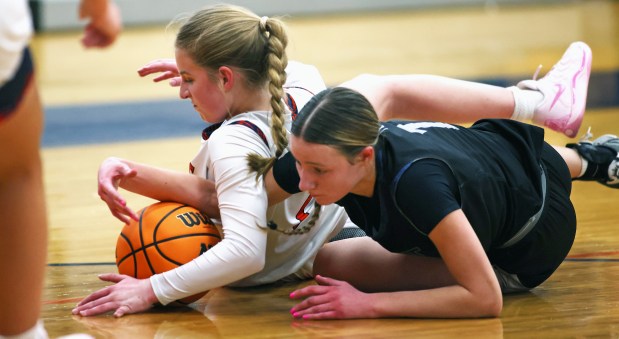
[(81, 264), (593, 256), (592, 259)]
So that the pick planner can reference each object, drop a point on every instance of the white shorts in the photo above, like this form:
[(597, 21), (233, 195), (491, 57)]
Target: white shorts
[(15, 32)]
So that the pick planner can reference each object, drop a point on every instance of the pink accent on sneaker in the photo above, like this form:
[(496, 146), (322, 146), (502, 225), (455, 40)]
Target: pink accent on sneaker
[(557, 96), (565, 91)]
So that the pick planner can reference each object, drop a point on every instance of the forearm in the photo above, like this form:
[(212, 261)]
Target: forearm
[(167, 185), (446, 302), (240, 254)]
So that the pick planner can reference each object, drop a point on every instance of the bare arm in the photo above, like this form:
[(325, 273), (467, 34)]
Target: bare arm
[(153, 182), (476, 293)]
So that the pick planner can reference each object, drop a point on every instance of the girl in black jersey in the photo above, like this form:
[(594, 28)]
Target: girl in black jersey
[(455, 215)]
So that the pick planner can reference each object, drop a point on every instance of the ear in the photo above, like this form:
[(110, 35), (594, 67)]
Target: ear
[(226, 76), (366, 154)]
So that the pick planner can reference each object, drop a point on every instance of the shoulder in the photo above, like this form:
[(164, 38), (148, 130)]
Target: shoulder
[(241, 135), (426, 192), (305, 76), (425, 174), (285, 173), (303, 81)]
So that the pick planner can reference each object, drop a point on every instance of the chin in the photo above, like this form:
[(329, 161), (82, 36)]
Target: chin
[(322, 200)]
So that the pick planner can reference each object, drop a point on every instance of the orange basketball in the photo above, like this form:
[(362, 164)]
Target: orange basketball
[(167, 235)]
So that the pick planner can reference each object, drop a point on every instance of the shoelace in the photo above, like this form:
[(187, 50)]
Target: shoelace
[(587, 137), (539, 68)]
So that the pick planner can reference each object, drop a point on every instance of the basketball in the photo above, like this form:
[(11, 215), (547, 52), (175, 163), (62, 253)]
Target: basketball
[(167, 235)]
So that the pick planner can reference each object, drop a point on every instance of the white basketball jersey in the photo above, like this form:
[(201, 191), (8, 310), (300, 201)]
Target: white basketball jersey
[(15, 32), (291, 243)]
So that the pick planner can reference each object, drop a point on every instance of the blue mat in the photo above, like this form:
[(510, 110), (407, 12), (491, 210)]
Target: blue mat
[(119, 122)]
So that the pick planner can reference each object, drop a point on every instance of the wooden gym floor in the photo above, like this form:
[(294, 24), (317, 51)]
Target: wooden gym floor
[(492, 43)]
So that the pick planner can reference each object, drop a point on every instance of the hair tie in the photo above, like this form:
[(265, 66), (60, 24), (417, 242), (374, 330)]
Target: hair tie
[(263, 23)]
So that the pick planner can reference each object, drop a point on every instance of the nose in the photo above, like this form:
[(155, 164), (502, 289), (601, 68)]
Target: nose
[(306, 183), (183, 91)]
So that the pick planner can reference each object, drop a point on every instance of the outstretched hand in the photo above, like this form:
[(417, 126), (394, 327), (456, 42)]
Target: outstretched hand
[(111, 172), (167, 68), (127, 295), (331, 299)]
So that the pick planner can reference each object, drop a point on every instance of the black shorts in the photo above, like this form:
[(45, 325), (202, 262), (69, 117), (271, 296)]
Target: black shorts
[(12, 92), (549, 242)]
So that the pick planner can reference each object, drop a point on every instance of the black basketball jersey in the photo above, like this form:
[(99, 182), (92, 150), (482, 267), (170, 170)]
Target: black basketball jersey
[(496, 166)]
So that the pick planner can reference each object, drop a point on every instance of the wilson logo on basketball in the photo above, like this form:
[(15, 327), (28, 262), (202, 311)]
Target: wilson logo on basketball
[(191, 219)]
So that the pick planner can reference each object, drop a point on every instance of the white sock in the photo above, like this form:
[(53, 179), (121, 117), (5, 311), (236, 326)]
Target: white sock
[(525, 102), (36, 332)]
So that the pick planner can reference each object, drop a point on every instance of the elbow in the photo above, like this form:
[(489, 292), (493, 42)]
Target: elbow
[(490, 306), (494, 310), (207, 199), (250, 257), (210, 206), (254, 264)]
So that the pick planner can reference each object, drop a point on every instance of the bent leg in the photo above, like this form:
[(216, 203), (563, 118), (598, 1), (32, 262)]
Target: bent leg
[(431, 97), (369, 267), (572, 160), (556, 101)]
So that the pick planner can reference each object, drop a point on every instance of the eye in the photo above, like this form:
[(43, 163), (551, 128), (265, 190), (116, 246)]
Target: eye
[(309, 169), (318, 170)]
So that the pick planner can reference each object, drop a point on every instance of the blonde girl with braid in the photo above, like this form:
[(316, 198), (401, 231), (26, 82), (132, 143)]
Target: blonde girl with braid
[(233, 66)]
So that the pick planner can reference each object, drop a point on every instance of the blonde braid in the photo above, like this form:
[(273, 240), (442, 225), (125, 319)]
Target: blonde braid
[(315, 215), (277, 61)]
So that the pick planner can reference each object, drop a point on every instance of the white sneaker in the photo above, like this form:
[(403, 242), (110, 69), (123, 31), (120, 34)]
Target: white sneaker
[(565, 91)]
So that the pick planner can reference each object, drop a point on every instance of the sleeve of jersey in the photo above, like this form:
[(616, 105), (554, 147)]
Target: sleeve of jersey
[(285, 173), (303, 81), (426, 193), (243, 204)]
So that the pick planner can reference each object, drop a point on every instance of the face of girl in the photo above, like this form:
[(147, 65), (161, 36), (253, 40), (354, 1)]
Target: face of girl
[(205, 93), (325, 173)]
